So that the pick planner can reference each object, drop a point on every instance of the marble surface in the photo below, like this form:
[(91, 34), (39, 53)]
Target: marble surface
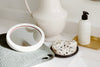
[(14, 12)]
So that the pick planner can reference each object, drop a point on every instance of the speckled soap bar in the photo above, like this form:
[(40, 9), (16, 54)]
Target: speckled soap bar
[(64, 48)]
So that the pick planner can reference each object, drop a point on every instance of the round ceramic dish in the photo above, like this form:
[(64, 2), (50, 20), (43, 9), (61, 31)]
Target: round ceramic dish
[(25, 37), (61, 56)]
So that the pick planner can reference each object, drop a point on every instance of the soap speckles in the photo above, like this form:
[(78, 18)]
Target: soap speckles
[(66, 52), (64, 47)]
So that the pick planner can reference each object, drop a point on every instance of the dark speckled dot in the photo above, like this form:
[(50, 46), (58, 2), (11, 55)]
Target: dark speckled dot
[(71, 51), (70, 47), (59, 52), (66, 52), (60, 49)]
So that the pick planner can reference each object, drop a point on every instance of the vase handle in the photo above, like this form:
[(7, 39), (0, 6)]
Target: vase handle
[(28, 8)]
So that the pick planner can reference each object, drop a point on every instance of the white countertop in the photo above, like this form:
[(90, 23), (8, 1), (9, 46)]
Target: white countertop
[(84, 58), (13, 12)]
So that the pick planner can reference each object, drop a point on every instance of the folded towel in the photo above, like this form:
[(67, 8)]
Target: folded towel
[(12, 58)]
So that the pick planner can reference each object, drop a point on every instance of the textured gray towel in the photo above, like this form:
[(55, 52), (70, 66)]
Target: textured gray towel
[(12, 58)]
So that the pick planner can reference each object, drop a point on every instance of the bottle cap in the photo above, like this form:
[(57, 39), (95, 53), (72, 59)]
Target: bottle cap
[(85, 15)]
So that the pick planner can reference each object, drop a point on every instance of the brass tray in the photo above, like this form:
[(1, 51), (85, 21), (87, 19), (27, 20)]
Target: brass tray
[(95, 43)]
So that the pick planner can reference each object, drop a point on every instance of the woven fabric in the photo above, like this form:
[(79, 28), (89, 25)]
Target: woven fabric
[(12, 58)]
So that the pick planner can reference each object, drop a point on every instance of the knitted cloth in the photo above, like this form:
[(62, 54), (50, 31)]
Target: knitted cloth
[(12, 58)]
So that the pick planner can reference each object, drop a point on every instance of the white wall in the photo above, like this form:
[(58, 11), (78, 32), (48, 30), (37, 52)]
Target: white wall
[(74, 8)]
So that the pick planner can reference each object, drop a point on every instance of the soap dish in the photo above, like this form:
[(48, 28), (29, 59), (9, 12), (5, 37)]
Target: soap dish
[(66, 56), (63, 48), (95, 43)]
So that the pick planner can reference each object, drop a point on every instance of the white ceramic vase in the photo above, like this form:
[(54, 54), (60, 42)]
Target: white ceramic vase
[(50, 16)]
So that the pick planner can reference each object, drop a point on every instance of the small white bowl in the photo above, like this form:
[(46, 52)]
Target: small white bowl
[(25, 37)]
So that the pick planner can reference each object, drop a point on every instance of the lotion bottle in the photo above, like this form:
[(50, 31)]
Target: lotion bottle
[(84, 30)]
